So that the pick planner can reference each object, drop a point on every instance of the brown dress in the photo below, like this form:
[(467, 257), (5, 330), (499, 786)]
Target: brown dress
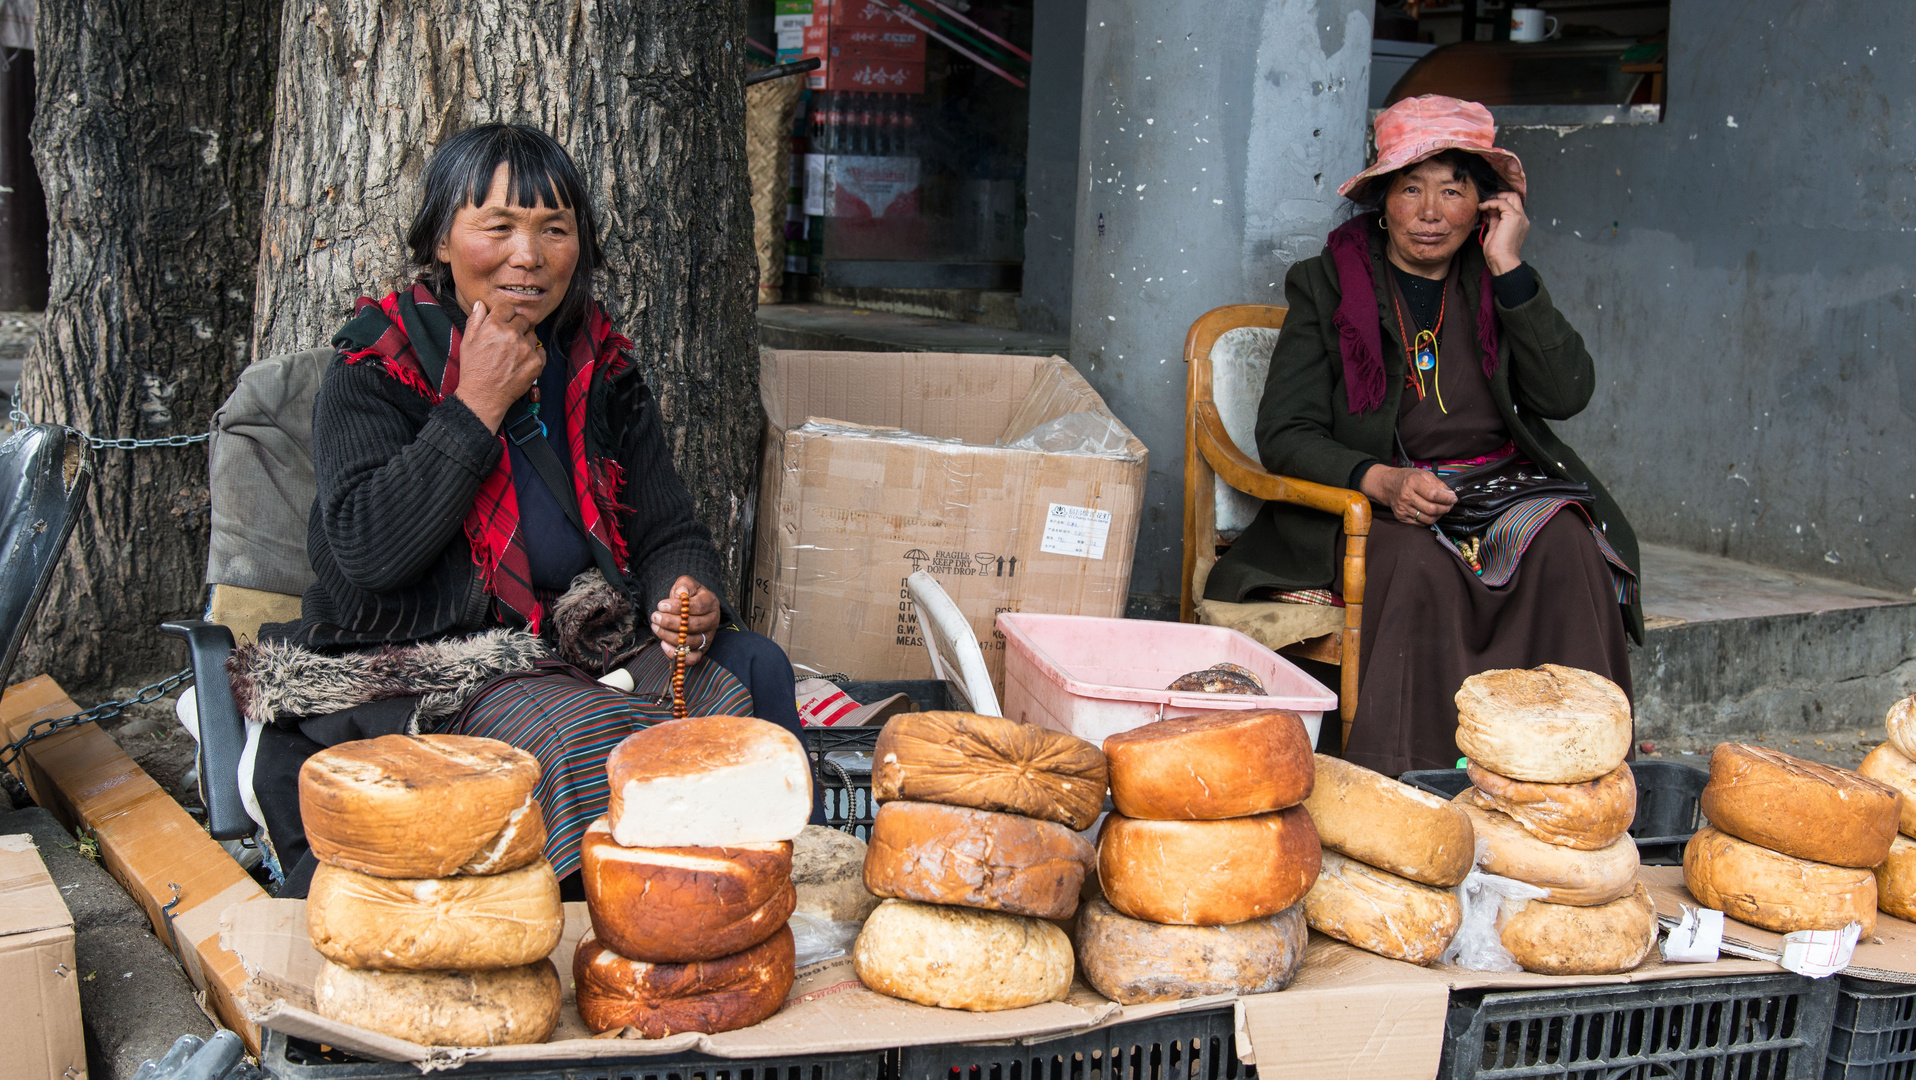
[(1429, 621)]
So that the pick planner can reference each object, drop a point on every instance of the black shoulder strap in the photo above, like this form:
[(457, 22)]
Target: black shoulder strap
[(528, 433)]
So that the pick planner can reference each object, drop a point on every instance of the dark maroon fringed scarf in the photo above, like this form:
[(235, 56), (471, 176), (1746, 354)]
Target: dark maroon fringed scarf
[(1361, 336)]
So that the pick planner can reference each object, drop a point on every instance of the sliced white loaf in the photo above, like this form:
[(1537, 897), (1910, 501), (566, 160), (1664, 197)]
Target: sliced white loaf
[(709, 781)]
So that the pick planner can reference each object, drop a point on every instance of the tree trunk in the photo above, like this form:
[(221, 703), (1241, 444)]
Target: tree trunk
[(647, 95), (151, 142)]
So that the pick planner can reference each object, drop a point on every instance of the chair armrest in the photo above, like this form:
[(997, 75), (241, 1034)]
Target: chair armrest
[(1251, 478), (222, 732)]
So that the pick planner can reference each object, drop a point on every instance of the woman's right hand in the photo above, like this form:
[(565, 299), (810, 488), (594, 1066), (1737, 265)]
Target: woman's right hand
[(499, 360), (1415, 496)]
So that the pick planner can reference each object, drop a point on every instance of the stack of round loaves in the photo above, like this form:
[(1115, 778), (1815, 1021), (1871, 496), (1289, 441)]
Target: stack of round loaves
[(975, 845), (432, 904), (1894, 763), (688, 878), (1205, 861), (1391, 855), (1791, 843), (1551, 803)]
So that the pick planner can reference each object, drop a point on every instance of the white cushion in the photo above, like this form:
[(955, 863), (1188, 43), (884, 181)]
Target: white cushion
[(1240, 360)]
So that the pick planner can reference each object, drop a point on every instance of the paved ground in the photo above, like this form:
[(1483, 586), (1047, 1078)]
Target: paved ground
[(134, 997)]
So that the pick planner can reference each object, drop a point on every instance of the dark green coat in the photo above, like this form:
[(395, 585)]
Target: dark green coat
[(1305, 428)]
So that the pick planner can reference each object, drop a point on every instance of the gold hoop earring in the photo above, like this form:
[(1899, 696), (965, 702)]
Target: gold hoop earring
[(1383, 223)]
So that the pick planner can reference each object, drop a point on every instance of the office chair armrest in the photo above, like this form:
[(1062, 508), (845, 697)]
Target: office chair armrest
[(222, 732), (1248, 476)]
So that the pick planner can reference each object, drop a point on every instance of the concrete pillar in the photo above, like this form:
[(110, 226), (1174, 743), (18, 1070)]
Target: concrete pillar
[(1214, 136)]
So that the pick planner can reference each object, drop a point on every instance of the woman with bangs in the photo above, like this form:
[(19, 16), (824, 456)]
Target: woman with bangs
[(496, 504)]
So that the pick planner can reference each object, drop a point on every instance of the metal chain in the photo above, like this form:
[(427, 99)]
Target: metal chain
[(105, 710), (19, 416)]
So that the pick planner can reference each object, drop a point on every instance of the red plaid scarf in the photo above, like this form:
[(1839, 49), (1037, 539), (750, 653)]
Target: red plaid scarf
[(492, 524)]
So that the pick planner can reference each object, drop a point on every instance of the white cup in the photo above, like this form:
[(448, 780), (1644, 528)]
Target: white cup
[(1527, 24)]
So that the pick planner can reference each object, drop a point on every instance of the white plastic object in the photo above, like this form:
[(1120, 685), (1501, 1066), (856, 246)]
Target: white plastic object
[(955, 656), (1820, 953), (1094, 677), (1696, 938), (1478, 944), (619, 679)]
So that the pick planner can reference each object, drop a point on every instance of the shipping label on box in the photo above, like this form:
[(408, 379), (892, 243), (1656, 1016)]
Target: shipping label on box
[(879, 465)]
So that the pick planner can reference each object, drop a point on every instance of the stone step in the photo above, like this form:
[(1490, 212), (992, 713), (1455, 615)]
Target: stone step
[(1747, 653)]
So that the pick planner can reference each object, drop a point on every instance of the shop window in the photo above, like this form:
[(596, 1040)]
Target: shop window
[(1531, 61)]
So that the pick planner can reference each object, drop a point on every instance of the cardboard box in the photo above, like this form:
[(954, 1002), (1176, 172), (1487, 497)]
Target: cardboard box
[(904, 44), (42, 1039), (877, 465), (861, 13), (855, 73)]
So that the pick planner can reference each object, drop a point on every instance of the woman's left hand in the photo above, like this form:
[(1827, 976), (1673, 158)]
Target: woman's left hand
[(1507, 225), (702, 619)]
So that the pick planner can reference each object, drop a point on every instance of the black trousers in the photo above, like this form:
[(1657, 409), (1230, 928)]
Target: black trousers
[(753, 659)]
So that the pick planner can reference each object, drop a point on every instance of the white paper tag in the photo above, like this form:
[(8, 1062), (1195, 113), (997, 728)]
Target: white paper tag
[(782, 23), (1075, 530), (1696, 938), (1818, 953)]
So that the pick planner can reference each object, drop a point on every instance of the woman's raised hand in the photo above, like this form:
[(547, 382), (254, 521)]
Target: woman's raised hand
[(1506, 225), (499, 360), (1415, 496)]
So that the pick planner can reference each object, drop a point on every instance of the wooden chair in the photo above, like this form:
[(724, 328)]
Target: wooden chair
[(1217, 460)]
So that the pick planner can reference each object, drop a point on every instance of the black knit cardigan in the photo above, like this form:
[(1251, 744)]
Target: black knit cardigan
[(396, 474)]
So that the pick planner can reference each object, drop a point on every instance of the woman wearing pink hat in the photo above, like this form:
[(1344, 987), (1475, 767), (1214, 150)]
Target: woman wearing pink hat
[(1422, 359)]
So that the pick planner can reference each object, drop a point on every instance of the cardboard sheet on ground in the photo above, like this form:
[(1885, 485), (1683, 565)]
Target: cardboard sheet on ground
[(1888, 955), (828, 1011)]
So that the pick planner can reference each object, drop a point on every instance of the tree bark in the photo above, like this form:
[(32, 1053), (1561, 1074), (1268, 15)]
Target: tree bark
[(647, 95), (151, 141)]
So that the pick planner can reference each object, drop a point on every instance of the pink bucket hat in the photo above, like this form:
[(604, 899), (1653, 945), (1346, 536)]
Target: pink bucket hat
[(1421, 127)]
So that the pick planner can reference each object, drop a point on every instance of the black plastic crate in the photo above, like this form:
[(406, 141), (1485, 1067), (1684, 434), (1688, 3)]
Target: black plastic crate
[(1178, 1046), (1753, 1027), (843, 755), (1874, 1037), (296, 1059), (1667, 804)]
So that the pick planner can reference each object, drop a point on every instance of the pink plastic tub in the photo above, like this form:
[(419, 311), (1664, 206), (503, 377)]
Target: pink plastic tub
[(1095, 677)]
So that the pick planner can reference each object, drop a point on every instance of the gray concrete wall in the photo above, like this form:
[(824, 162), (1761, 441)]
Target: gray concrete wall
[(1743, 273), (1051, 164), (1214, 136)]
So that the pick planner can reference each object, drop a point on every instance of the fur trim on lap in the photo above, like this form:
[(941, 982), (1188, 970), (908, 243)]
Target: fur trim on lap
[(593, 624), (279, 682)]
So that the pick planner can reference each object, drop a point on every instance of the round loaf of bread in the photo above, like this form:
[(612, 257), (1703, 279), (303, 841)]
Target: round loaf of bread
[(1567, 875), (508, 1007), (431, 924), (1557, 939), (1548, 725), (1896, 880), (1775, 891), (1886, 765), (1802, 808), (975, 858), (1134, 962), (1380, 912), (989, 763), (961, 958), (1393, 826), (1208, 873), (677, 905), (422, 806), (708, 781), (707, 996), (1585, 816), (1900, 724), (828, 875), (1211, 766)]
